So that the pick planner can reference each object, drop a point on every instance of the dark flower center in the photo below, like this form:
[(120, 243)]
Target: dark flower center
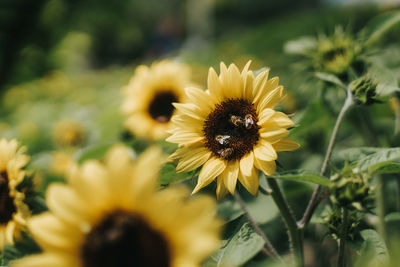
[(124, 239), (7, 206), (231, 130), (161, 108)]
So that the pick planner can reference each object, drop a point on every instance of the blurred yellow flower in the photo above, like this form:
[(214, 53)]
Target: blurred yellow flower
[(13, 212), (68, 132), (149, 97), (61, 162), (231, 129), (110, 214)]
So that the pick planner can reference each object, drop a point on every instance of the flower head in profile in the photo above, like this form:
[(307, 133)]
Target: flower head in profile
[(149, 97), (231, 129), (110, 214), (13, 211)]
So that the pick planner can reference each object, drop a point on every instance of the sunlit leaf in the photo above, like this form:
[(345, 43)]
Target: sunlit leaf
[(301, 46), (371, 248), (379, 25), (327, 77)]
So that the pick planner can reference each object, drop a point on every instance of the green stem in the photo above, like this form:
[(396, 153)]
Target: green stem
[(312, 205), (342, 239), (380, 207), (295, 234)]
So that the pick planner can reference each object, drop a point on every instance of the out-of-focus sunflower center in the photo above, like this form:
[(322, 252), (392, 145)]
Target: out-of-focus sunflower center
[(7, 206), (160, 107), (124, 239), (231, 129)]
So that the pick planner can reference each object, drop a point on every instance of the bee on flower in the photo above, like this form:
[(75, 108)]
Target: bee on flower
[(231, 129)]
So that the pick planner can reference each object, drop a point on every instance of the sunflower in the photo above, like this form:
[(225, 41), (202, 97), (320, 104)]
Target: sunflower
[(231, 129), (149, 97), (13, 212), (111, 215), (68, 132)]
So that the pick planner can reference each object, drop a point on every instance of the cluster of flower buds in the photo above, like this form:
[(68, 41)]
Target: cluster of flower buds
[(350, 189)]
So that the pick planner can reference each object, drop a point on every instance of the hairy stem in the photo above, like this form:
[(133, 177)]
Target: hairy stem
[(295, 234), (342, 239), (313, 204), (270, 250)]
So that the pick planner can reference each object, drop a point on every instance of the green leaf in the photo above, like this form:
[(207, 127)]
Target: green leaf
[(378, 159), (371, 248), (393, 217), (168, 174), (386, 79), (21, 248), (243, 246), (386, 168), (91, 152), (327, 77), (301, 46), (302, 176), (378, 26)]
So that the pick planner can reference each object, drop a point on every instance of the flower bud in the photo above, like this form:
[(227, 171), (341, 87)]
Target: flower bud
[(350, 189), (364, 90)]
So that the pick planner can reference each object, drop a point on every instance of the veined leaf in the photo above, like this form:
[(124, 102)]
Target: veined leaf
[(243, 246), (379, 25), (371, 248), (327, 77), (386, 168), (302, 176), (378, 159)]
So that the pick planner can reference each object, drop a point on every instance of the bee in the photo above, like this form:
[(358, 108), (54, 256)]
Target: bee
[(222, 139), (225, 152), (248, 121), (237, 120)]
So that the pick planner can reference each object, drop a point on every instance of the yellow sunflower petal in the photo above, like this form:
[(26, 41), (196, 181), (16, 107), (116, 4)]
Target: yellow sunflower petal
[(193, 158), (273, 135), (250, 182), (230, 176), (211, 169), (52, 233), (214, 85), (221, 189), (280, 119), (185, 137), (286, 144), (190, 110), (265, 151), (200, 98), (259, 85), (267, 167), (247, 163), (271, 99), (65, 203), (47, 260), (265, 115)]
